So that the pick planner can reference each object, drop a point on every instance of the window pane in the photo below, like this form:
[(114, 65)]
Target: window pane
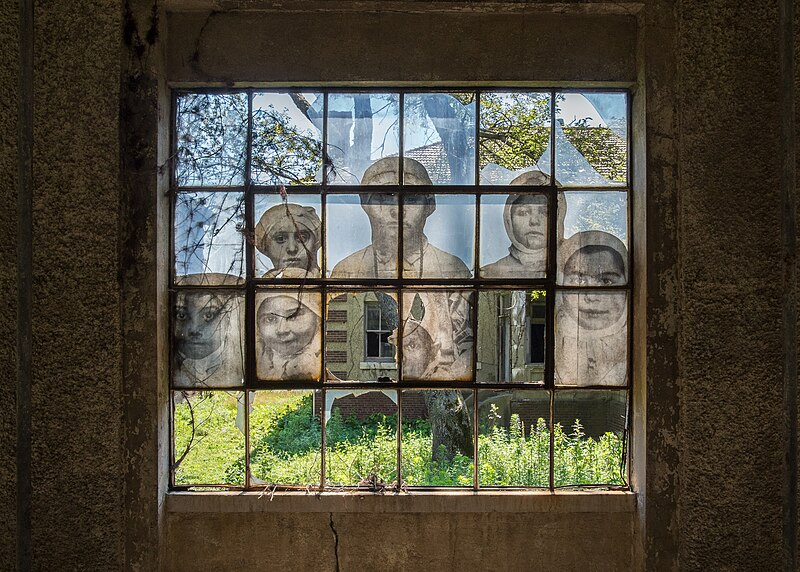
[(352, 353), (208, 437), (515, 133), (209, 243), (511, 327), (513, 438), (437, 335), (439, 136), (288, 335), (285, 438), (362, 236), (592, 258), (207, 348), (591, 139), (588, 435), (591, 337), (287, 138), (288, 236), (361, 438), (211, 139), (362, 128), (607, 211), (514, 236), (437, 444), (438, 236)]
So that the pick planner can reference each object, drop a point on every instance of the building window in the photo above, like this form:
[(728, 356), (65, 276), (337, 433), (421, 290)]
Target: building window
[(397, 288), (377, 333)]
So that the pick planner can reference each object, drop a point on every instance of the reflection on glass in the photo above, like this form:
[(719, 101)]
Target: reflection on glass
[(361, 438), (593, 210), (288, 335), (514, 134), (207, 348), (437, 443), (287, 139), (592, 258), (362, 235), (591, 139), (589, 437), (524, 220), (511, 336), (437, 335), (591, 337), (513, 438), (208, 234), (288, 236), (359, 339), (439, 132), (208, 446), (362, 128), (285, 438), (449, 223), (211, 139)]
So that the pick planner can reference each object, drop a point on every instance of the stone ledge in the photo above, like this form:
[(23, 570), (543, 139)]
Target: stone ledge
[(413, 502)]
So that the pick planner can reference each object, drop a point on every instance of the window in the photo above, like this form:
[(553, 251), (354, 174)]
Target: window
[(377, 332), (394, 288)]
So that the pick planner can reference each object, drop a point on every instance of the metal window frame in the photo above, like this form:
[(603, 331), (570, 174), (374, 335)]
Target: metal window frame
[(476, 284)]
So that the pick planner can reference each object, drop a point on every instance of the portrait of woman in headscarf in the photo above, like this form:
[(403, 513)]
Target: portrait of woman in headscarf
[(289, 336), (591, 324), (290, 236)]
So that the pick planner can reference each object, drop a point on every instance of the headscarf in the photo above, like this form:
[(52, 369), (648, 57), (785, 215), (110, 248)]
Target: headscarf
[(303, 364), (584, 356), (305, 217)]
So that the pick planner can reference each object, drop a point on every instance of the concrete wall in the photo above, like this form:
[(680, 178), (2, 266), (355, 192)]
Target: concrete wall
[(713, 493)]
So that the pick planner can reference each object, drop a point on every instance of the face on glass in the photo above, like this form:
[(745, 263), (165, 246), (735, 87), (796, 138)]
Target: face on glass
[(416, 210), (199, 321), (529, 222), (290, 246), (418, 351), (285, 325), (595, 266)]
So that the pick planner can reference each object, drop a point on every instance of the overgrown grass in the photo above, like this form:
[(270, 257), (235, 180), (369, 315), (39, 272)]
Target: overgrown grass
[(286, 440)]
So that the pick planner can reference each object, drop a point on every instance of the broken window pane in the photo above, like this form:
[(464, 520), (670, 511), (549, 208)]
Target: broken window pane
[(511, 336), (589, 437), (362, 236), (208, 447), (361, 438), (207, 347), (438, 235), (437, 443), (285, 438), (437, 335), (514, 236), (591, 337), (287, 139), (288, 236), (209, 243), (591, 139), (361, 336), (594, 210), (211, 139), (513, 438), (288, 335), (514, 134), (362, 128), (439, 135)]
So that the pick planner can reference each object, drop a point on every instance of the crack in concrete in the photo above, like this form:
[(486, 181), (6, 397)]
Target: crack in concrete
[(335, 540)]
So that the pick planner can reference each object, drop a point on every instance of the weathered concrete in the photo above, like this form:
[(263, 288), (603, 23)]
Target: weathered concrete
[(9, 57), (430, 541), (76, 405)]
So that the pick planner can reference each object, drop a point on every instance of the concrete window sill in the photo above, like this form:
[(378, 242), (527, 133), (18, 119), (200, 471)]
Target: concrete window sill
[(414, 502)]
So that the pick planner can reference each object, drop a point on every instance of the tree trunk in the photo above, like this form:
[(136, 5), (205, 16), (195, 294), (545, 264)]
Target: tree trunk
[(451, 424)]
